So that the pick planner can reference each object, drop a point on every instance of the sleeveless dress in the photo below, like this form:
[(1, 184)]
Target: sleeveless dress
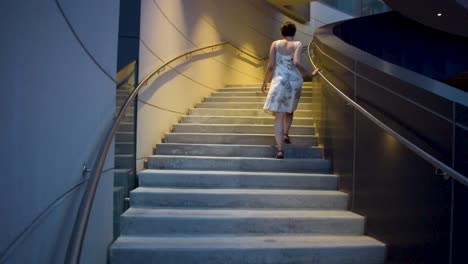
[(286, 84)]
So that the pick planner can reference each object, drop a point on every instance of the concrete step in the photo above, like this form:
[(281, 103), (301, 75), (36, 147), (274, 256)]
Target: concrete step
[(143, 197), (259, 94), (314, 84), (257, 89), (121, 100), (252, 105), (245, 112), (237, 139), (300, 121), (126, 127), (120, 96), (123, 92), (240, 129), (123, 161), (245, 99), (128, 117), (130, 110), (186, 221), (237, 179), (229, 249), (230, 150), (170, 162), (124, 136), (124, 147)]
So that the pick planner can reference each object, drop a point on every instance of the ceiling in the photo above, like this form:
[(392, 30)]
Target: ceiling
[(453, 19)]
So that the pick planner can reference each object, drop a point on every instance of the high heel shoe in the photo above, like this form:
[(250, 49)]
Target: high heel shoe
[(280, 154), (286, 139)]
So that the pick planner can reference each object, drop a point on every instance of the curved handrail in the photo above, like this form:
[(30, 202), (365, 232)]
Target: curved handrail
[(446, 170), (79, 229)]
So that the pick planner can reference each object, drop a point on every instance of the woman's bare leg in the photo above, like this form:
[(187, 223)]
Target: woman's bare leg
[(279, 127), (288, 118)]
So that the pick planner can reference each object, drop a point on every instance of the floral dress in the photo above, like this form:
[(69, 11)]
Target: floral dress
[(286, 84)]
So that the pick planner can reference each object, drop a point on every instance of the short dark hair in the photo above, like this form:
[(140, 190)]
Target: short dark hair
[(288, 29)]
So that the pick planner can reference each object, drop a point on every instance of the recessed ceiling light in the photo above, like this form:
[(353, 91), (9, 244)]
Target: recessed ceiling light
[(439, 14)]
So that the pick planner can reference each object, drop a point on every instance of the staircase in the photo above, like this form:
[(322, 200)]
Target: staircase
[(213, 193), (124, 175)]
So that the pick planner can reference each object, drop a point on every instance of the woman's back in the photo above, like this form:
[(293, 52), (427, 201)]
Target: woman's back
[(285, 47)]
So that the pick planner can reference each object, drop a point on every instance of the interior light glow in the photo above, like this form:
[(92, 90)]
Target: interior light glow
[(439, 14)]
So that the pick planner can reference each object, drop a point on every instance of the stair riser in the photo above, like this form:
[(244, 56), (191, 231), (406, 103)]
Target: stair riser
[(257, 89), (307, 255), (124, 162), (132, 225), (243, 112), (256, 99), (293, 151), (121, 96), (312, 84), (128, 118), (259, 94), (124, 148), (126, 92), (242, 120), (124, 137), (181, 128), (301, 106), (234, 139), (127, 127), (120, 101), (221, 200), (129, 110), (238, 181), (167, 162)]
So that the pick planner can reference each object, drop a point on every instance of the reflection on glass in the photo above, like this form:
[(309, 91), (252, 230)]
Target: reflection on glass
[(358, 7)]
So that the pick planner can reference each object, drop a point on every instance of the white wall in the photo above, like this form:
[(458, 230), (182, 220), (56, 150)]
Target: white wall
[(55, 104), (172, 27)]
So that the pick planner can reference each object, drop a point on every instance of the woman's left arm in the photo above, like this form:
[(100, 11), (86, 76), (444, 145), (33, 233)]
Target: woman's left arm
[(297, 62)]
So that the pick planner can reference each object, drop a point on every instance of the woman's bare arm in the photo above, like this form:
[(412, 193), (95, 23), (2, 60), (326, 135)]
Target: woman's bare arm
[(270, 67), (297, 62)]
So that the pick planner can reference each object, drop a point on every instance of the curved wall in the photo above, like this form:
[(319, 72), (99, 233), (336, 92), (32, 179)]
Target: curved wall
[(171, 28), (58, 96), (416, 212)]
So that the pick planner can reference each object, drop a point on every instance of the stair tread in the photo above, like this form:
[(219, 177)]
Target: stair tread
[(233, 158), (243, 109), (238, 125), (237, 191), (245, 241), (239, 213), (244, 97), (246, 173), (233, 134), (230, 145), (257, 117)]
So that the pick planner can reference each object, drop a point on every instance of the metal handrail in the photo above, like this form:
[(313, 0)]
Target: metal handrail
[(446, 170), (79, 229)]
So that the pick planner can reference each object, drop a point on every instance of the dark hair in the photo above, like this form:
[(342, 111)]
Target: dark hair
[(288, 29)]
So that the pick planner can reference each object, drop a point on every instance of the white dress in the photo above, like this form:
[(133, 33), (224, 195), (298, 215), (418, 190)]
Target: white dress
[(286, 84)]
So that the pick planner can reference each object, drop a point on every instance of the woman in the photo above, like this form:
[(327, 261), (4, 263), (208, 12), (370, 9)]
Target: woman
[(285, 72)]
